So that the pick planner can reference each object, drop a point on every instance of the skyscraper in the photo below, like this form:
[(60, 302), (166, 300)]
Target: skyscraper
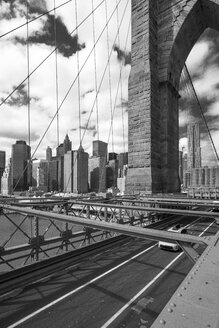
[(48, 154), (40, 174), (6, 187), (2, 165), (100, 148), (20, 166), (76, 171), (194, 149), (64, 147), (97, 166)]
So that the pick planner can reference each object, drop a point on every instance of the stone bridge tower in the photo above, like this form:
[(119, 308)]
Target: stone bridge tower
[(163, 34)]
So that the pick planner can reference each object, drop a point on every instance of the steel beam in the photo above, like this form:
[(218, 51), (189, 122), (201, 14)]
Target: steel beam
[(133, 231), (154, 209)]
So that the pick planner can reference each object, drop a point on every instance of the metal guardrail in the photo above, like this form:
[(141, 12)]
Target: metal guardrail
[(39, 240), (105, 216), (133, 231)]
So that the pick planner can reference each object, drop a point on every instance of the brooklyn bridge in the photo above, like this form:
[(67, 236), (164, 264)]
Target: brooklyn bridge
[(123, 230)]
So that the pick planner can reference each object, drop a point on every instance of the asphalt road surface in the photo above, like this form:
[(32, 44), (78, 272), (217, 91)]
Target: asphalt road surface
[(124, 286)]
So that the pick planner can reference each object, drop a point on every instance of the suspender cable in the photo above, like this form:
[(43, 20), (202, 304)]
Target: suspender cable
[(121, 85), (102, 78), (109, 70), (33, 19), (120, 77), (29, 174), (28, 71), (118, 85), (56, 72), (105, 69), (72, 84), (78, 75), (202, 113), (95, 71)]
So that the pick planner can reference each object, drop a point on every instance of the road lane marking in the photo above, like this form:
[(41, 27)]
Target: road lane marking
[(77, 289), (117, 314), (92, 281)]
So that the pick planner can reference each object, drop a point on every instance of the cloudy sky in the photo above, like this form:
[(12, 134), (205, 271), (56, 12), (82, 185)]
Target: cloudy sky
[(75, 53)]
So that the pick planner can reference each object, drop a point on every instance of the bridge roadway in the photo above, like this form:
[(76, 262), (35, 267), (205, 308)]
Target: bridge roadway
[(124, 286)]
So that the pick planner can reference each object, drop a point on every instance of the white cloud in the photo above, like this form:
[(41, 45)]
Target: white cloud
[(197, 55), (13, 66)]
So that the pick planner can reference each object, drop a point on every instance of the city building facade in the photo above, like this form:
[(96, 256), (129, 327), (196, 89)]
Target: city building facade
[(40, 174), (6, 182), (20, 166), (76, 171), (2, 165)]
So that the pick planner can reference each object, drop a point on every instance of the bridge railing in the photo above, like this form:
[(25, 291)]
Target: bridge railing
[(46, 234), (27, 238)]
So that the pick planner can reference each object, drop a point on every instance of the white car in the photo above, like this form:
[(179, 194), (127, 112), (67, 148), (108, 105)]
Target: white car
[(169, 245)]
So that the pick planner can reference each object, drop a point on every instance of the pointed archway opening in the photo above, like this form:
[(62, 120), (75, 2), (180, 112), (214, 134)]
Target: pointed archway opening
[(199, 112)]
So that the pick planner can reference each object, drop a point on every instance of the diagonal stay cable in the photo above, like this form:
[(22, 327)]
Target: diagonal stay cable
[(117, 91), (66, 95), (43, 61), (102, 78), (33, 19)]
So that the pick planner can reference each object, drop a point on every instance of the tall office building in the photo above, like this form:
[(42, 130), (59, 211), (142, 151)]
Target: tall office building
[(40, 174), (20, 166), (64, 147), (97, 166), (61, 150), (97, 174), (76, 171), (194, 149), (53, 169), (2, 165), (100, 148), (48, 154), (6, 187)]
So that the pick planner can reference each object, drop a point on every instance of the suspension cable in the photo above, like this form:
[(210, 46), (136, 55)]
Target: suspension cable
[(121, 84), (45, 132), (109, 71), (28, 70), (105, 69), (44, 60), (95, 71), (28, 92), (75, 79), (102, 172), (33, 19), (56, 72), (102, 78), (117, 90), (78, 75)]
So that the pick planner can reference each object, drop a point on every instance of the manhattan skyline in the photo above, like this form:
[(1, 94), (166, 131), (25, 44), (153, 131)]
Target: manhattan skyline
[(202, 63)]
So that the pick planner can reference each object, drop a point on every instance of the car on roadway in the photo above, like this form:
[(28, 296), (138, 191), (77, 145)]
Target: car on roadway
[(171, 245)]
